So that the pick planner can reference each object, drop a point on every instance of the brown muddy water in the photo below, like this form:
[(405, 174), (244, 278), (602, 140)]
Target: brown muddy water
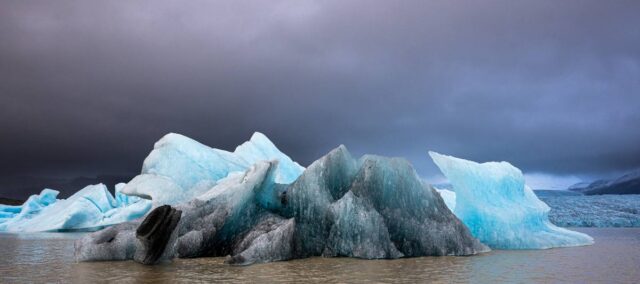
[(615, 258)]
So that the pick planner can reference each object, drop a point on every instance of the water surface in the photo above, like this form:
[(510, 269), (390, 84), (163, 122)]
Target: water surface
[(615, 258)]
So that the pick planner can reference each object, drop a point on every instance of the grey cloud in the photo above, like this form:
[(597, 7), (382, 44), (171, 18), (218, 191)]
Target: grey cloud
[(87, 87)]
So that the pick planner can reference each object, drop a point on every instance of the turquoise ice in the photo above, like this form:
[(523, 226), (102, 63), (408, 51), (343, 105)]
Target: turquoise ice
[(177, 170), (499, 209), (180, 168), (32, 206), (91, 208)]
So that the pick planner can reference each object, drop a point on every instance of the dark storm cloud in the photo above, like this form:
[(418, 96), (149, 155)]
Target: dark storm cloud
[(552, 86)]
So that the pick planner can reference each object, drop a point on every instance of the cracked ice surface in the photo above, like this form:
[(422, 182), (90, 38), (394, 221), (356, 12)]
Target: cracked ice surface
[(594, 210)]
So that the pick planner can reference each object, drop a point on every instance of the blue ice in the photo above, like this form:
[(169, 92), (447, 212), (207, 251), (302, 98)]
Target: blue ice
[(180, 168), (91, 208), (499, 209)]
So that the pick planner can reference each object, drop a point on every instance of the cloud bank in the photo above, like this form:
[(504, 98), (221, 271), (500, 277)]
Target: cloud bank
[(553, 87)]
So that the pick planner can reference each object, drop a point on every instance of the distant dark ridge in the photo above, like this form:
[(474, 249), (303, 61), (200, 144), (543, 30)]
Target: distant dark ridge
[(626, 184), (21, 187), (9, 201), (554, 193)]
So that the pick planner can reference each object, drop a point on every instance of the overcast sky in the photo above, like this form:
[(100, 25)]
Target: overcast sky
[(87, 87)]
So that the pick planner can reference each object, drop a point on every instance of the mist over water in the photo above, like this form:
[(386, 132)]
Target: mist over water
[(614, 258)]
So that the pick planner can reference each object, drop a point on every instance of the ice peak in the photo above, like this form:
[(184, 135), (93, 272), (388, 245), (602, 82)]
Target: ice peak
[(259, 137)]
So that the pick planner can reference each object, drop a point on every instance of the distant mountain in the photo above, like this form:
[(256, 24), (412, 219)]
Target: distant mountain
[(579, 187), (626, 184), (21, 187), (555, 193), (9, 201)]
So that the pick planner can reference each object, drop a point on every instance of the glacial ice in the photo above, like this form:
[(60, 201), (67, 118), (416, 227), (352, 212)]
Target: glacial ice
[(177, 170), (180, 168), (227, 222), (499, 209), (374, 207), (257, 205), (91, 208), (573, 209), (155, 233), (449, 198), (32, 206), (594, 210)]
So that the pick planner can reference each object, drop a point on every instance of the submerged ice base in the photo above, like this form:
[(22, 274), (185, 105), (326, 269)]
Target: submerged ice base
[(499, 209)]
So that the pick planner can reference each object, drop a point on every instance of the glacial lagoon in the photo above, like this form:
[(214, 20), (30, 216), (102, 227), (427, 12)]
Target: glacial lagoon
[(614, 258)]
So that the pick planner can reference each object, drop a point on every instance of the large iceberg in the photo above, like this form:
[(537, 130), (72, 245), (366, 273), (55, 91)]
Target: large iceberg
[(180, 168), (370, 208), (257, 205), (499, 209), (91, 208)]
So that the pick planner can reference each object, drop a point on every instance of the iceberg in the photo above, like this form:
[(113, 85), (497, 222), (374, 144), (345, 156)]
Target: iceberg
[(180, 168), (371, 208), (226, 220), (32, 206), (257, 205), (499, 209), (396, 214), (91, 208)]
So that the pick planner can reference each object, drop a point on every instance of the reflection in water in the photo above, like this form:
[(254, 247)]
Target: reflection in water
[(613, 259)]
